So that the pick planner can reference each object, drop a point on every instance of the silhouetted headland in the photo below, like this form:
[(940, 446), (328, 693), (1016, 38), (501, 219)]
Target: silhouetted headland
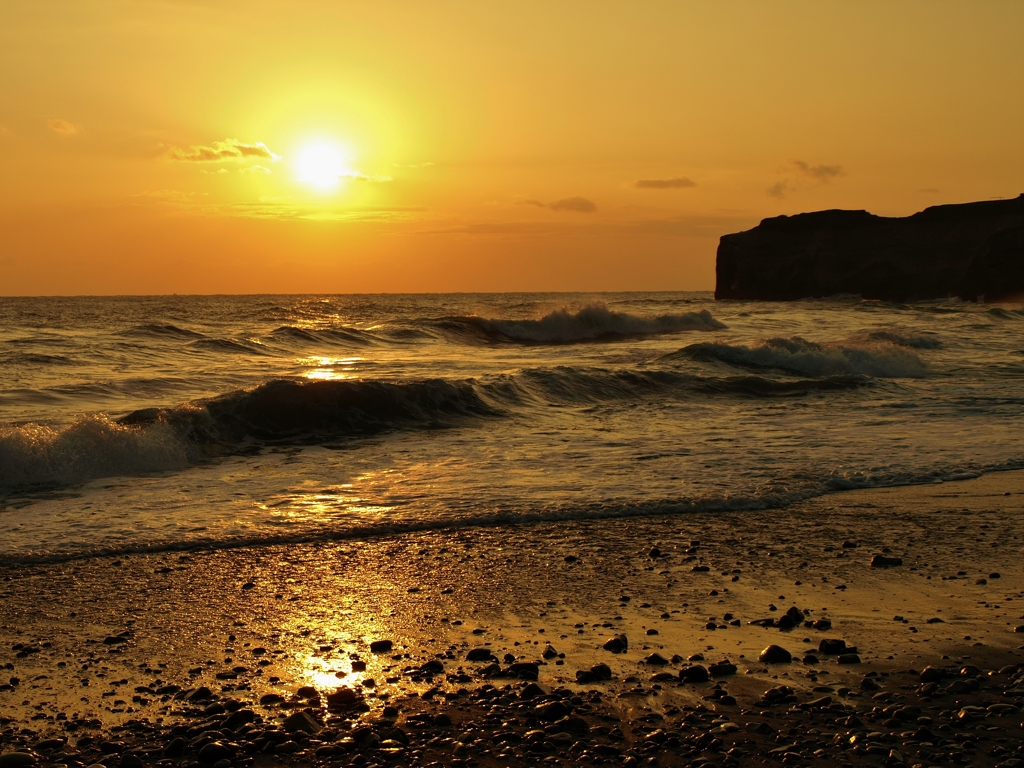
[(974, 251)]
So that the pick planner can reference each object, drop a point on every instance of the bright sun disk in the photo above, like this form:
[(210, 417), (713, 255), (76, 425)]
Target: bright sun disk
[(322, 165)]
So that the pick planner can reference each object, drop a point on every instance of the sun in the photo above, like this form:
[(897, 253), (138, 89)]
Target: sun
[(322, 165)]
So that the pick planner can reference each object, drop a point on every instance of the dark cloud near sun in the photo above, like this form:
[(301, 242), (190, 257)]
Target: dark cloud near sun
[(680, 182), (567, 204), (229, 149)]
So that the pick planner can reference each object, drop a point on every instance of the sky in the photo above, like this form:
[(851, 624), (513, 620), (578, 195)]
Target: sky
[(324, 146)]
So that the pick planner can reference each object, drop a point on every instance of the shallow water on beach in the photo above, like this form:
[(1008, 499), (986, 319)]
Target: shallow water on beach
[(132, 424)]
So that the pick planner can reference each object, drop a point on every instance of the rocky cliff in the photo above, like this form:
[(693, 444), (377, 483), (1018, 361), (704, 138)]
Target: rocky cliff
[(974, 251)]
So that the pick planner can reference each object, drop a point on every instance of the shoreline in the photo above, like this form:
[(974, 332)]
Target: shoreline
[(195, 620)]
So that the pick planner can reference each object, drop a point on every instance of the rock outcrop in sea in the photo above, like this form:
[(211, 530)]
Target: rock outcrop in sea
[(974, 251)]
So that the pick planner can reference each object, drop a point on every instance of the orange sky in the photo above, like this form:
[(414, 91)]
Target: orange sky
[(191, 146)]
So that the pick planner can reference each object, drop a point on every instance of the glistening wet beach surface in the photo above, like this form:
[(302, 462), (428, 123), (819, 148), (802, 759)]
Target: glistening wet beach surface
[(282, 634)]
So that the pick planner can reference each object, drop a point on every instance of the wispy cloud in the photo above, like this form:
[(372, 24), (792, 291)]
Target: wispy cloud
[(680, 182), (63, 127), (229, 149), (800, 173), (379, 178), (820, 173), (281, 208), (679, 226), (255, 169), (567, 204)]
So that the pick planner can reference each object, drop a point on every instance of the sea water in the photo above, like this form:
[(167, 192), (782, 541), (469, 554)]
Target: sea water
[(133, 424)]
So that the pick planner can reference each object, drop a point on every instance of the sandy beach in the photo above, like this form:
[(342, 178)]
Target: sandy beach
[(491, 641)]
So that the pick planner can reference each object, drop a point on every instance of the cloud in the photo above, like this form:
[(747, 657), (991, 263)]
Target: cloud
[(805, 175), (255, 169), (680, 182), (574, 204), (571, 204), (229, 149), (378, 178), (63, 127), (679, 226), (820, 173)]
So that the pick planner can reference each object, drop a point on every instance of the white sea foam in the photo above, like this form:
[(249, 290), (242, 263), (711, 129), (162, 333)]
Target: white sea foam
[(34, 456), (808, 358), (596, 321)]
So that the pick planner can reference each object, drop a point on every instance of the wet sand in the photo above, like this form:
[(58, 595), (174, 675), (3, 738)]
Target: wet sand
[(151, 659)]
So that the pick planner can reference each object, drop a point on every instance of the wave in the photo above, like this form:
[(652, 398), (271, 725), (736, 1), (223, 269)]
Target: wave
[(594, 322), (288, 411), (154, 330), (40, 457), (337, 335), (899, 338), (773, 495), (808, 358), (228, 346), (28, 358)]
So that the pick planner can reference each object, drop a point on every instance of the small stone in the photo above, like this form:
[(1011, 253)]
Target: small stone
[(479, 654), (694, 674), (212, 752), (532, 691), (722, 669), (301, 722), (381, 646), (617, 644), (832, 647), (848, 658), (17, 760), (883, 561), (775, 654), (656, 659)]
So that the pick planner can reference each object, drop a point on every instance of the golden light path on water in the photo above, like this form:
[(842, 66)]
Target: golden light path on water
[(329, 368)]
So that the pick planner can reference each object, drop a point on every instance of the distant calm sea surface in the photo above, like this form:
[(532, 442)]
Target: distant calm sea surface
[(134, 424)]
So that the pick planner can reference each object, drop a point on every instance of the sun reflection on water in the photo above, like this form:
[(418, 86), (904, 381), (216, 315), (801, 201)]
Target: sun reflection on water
[(330, 368)]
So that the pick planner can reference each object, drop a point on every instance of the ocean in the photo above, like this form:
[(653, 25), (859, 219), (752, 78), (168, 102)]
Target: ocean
[(132, 424)]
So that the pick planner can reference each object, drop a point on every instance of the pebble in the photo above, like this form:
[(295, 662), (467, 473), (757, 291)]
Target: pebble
[(775, 654), (883, 561), (17, 760), (381, 646), (617, 644)]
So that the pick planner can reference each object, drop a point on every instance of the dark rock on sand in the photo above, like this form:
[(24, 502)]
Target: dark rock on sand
[(17, 760), (695, 674), (848, 658), (971, 250), (722, 669), (381, 646), (656, 659), (832, 647), (883, 561), (479, 654), (301, 722), (213, 752), (617, 644), (775, 654), (344, 699)]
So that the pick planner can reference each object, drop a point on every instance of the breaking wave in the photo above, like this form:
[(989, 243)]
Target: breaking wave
[(808, 358), (289, 411), (595, 322)]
